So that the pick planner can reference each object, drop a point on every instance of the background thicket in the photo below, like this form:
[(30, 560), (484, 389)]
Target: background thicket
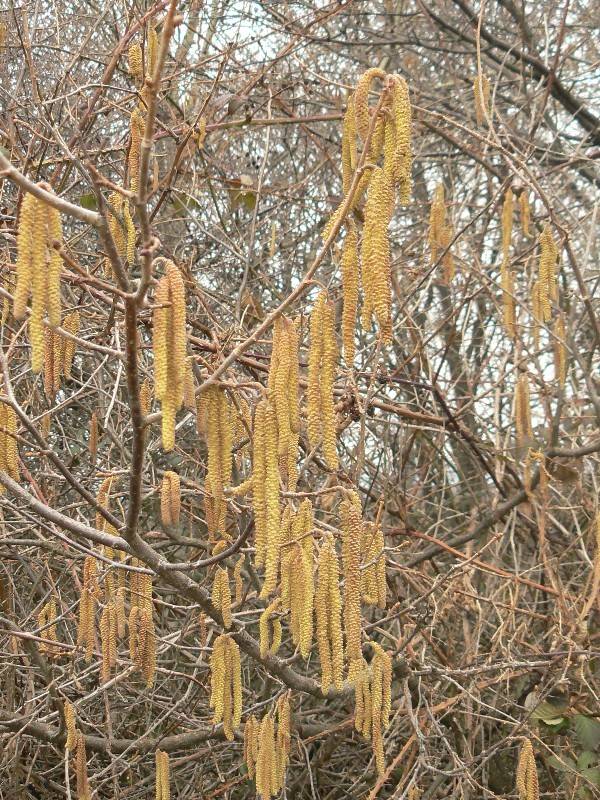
[(493, 574)]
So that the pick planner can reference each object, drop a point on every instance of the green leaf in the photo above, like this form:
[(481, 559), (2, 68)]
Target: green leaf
[(586, 760), (88, 201), (587, 730), (550, 711), (592, 775), (565, 764)]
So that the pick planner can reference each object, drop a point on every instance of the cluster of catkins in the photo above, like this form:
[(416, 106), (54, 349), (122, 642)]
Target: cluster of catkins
[(385, 172), (267, 745), (38, 271)]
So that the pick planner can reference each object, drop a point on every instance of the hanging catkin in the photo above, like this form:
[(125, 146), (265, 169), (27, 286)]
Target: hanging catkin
[(527, 778), (349, 153), (221, 594), (70, 726), (146, 397), (9, 453), (361, 100), (507, 222), (163, 781), (328, 609), (352, 534), (116, 222), (375, 254), (152, 50), (134, 61), (38, 270), (322, 361), (251, 744), (523, 410), (266, 773), (381, 680), (169, 345), (481, 93), (87, 607), (525, 212), (350, 282), (142, 637), (547, 272), (373, 582), (283, 388), (189, 386), (81, 771), (170, 499), (47, 625), (301, 593), (226, 684), (437, 221), (269, 630), (219, 440), (265, 494), (108, 639), (71, 325), (399, 121), (136, 130), (359, 679), (509, 312)]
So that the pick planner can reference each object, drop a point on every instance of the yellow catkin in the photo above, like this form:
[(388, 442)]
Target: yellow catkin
[(136, 129), (265, 764), (526, 776), (251, 744), (401, 120), (116, 222), (437, 221), (361, 100), (525, 213), (547, 272), (7, 285), (108, 639), (350, 281), (327, 379), (221, 595), (169, 346), (375, 254), (237, 581), (272, 512), (507, 222), (71, 324), (87, 607), (135, 61), (481, 93), (351, 519), (38, 270), (201, 135), (328, 605), (81, 771), (162, 781), (70, 725), (373, 581), (47, 625), (266, 626), (283, 740), (51, 363), (152, 50), (381, 676), (315, 355), (349, 154), (142, 637), (301, 597), (130, 234), (189, 386), (146, 397), (93, 437), (359, 679), (448, 258), (170, 499), (509, 313), (219, 439), (226, 685), (9, 453), (523, 410), (560, 350), (24, 265)]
